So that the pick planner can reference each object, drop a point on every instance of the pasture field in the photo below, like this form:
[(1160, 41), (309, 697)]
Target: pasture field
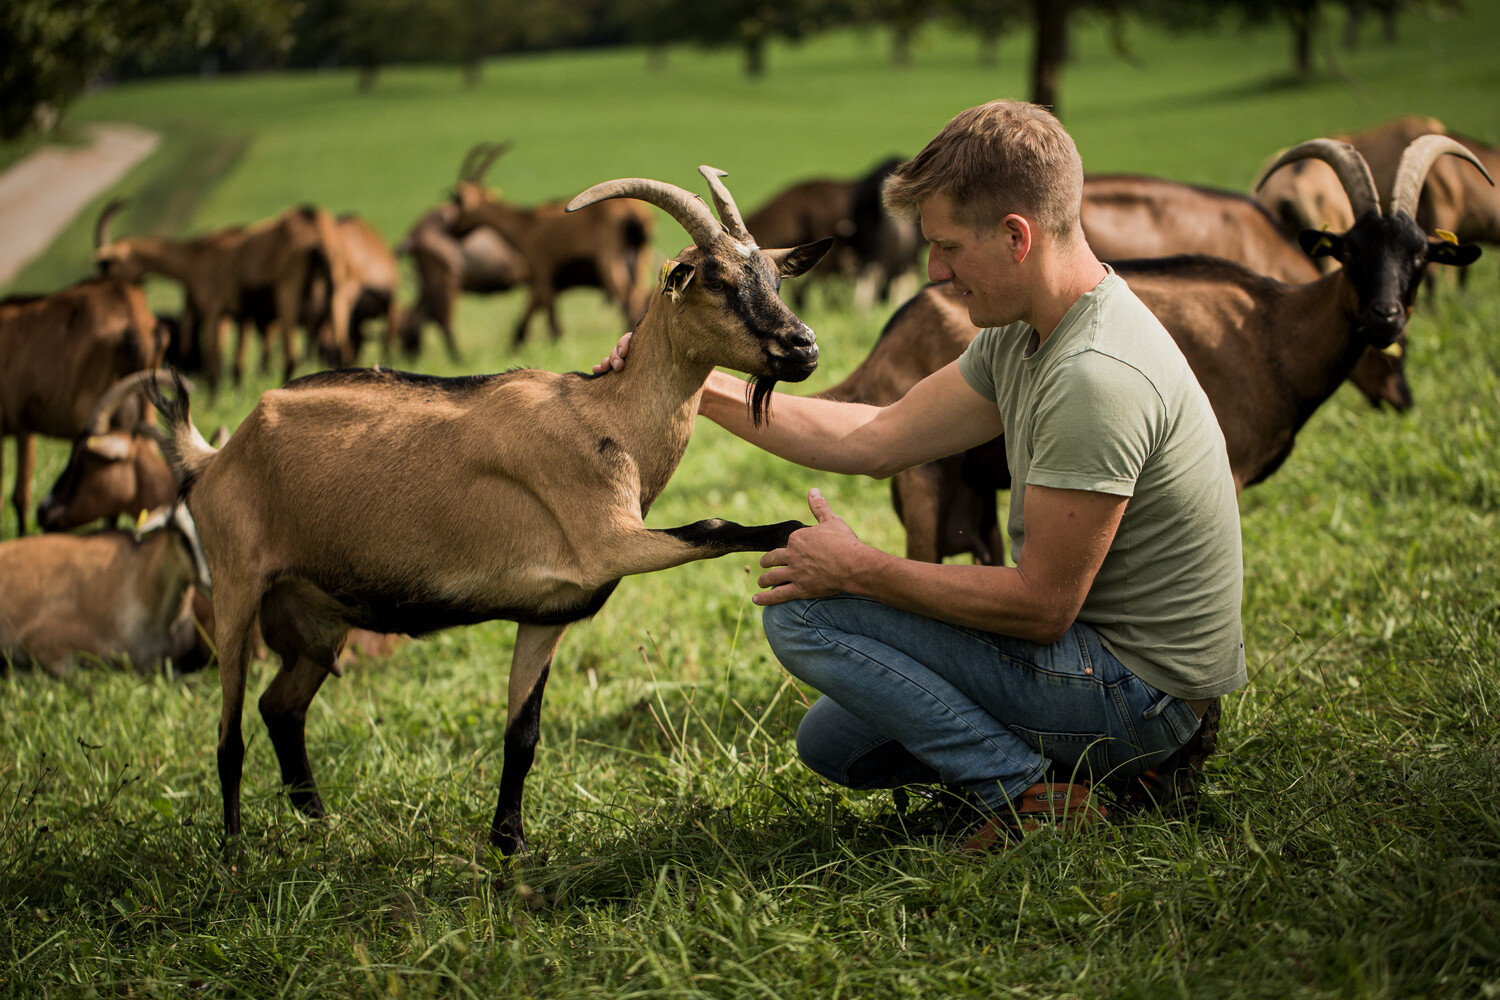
[(1348, 840)]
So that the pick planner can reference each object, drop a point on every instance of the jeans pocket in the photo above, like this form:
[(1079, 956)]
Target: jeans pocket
[(1181, 719), (1080, 755)]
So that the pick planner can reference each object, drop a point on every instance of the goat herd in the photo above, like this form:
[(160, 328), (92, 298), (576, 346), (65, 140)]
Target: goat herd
[(1274, 299)]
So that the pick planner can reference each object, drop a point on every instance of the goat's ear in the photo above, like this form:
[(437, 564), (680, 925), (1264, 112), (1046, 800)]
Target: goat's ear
[(675, 275), (1320, 243), (799, 260), (114, 447), (1457, 254)]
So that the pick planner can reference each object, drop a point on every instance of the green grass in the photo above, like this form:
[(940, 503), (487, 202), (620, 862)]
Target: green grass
[(1349, 841)]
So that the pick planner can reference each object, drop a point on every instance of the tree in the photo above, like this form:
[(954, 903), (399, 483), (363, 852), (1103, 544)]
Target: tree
[(988, 20), (54, 48)]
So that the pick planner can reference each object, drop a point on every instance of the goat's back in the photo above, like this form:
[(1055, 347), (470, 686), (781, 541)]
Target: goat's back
[(59, 353), (446, 472)]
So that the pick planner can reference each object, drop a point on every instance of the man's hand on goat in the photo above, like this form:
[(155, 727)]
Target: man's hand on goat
[(616, 359), (818, 561)]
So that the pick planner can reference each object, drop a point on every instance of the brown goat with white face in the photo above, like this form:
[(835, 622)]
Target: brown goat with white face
[(115, 466), (518, 496)]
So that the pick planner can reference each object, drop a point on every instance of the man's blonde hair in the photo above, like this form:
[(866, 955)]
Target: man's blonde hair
[(1000, 158)]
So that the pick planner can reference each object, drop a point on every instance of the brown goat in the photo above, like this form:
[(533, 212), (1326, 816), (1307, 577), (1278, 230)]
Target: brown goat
[(518, 496), (481, 262), (1266, 353), (604, 246), (111, 596), (115, 466), (1130, 216), (218, 270), (59, 354)]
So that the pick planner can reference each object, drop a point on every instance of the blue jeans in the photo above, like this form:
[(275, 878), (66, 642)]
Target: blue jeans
[(910, 700)]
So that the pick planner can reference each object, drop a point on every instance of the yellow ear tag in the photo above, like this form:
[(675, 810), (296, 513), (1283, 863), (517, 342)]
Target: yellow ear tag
[(1446, 236), (662, 280), (1323, 243)]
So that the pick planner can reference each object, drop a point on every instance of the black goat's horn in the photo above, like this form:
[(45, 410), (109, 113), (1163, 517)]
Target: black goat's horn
[(1416, 160), (1352, 170)]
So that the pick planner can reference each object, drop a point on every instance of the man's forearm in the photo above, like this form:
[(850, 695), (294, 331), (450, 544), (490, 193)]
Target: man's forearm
[(816, 433)]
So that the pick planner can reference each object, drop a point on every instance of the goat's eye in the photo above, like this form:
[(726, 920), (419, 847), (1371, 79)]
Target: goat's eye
[(714, 286)]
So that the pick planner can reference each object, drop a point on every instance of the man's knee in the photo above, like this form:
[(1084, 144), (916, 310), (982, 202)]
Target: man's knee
[(783, 623)]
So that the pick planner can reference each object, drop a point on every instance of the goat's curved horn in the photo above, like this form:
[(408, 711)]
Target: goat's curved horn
[(1352, 170), (1416, 160), (486, 161), (729, 212), (101, 228), (684, 206), (117, 395)]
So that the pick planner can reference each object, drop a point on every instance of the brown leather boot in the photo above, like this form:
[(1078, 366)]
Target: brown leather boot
[(1044, 806)]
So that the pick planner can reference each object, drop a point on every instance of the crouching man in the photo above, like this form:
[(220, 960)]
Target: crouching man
[(1097, 654)]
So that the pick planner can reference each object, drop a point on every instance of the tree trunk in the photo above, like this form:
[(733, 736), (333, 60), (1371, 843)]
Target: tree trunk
[(755, 53), (901, 45), (989, 49), (1304, 23), (473, 70), (1050, 53)]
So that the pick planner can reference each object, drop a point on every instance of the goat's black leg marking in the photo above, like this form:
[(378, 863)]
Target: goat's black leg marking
[(521, 737), (721, 537), (283, 706)]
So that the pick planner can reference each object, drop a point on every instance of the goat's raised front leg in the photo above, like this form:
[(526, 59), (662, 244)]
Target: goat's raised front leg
[(535, 647), (645, 550)]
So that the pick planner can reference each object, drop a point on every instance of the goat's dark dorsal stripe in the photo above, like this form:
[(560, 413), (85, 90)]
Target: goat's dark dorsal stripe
[(392, 376)]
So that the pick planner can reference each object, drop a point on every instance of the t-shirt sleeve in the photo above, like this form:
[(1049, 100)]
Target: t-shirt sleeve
[(976, 363), (1097, 423)]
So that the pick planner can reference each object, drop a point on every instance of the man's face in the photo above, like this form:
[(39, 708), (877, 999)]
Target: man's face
[(981, 265)]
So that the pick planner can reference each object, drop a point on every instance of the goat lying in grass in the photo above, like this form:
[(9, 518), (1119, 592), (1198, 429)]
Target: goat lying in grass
[(407, 503)]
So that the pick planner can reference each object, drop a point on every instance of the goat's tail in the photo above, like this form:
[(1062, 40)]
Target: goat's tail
[(184, 448)]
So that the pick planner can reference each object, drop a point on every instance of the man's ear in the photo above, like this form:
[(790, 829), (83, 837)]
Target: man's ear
[(675, 275), (1016, 230), (1320, 243), (799, 260)]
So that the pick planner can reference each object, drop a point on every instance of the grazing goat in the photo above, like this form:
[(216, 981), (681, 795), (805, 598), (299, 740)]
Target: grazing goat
[(518, 496), (357, 262), (1266, 353), (59, 354), (115, 466), (884, 248), (1129, 216), (602, 246), (218, 270), (116, 596), (481, 262), (870, 245)]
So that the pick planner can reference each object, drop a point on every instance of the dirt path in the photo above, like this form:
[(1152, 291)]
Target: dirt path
[(41, 194)]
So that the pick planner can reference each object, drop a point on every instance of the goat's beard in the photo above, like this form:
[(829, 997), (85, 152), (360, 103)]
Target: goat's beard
[(758, 398)]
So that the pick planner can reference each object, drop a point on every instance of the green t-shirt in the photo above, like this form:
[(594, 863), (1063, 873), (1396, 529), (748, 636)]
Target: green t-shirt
[(1109, 404)]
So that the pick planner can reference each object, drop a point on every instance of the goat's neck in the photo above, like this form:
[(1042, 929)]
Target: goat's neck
[(166, 257), (1316, 362), (510, 221), (652, 403)]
